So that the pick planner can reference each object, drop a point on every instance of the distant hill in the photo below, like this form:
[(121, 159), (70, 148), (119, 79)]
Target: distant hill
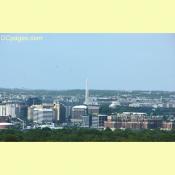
[(80, 92)]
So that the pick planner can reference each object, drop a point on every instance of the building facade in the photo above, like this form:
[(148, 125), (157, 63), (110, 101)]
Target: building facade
[(47, 113), (79, 111), (8, 110)]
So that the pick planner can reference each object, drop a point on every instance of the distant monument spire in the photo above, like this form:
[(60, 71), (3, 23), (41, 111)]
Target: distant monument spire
[(86, 94)]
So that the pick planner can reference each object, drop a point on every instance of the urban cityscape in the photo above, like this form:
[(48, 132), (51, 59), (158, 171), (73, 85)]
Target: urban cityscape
[(45, 94), (120, 110), (88, 109)]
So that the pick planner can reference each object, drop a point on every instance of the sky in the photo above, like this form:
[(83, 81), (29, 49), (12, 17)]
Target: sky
[(108, 61)]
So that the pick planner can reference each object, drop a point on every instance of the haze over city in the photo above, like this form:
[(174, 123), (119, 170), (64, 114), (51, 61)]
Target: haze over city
[(109, 61)]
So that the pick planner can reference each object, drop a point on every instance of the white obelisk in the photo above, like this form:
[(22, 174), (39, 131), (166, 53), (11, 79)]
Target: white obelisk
[(87, 94)]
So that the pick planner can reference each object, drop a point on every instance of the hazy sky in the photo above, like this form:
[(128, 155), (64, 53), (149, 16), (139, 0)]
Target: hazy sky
[(109, 61)]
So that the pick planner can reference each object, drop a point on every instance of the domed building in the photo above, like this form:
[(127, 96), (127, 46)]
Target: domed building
[(114, 105)]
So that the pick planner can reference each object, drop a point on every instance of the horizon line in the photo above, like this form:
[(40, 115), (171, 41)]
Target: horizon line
[(122, 90)]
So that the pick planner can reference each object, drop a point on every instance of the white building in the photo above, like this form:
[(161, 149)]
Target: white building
[(43, 115), (8, 109), (46, 113)]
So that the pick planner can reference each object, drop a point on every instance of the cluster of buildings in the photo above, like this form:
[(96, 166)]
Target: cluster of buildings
[(130, 120), (12, 114), (153, 105), (33, 112), (86, 115), (140, 101), (73, 112)]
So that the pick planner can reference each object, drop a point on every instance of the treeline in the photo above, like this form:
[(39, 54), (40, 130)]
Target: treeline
[(86, 135), (93, 92)]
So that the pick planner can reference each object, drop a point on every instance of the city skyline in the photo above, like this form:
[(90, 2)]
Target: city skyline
[(109, 61)]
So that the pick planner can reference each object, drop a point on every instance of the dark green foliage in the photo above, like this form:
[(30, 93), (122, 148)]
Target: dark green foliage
[(86, 135)]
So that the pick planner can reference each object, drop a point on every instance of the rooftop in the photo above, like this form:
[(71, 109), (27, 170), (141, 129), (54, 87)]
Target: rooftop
[(80, 107)]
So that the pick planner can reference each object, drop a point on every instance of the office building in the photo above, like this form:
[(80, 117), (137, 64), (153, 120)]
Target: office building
[(95, 122), (8, 110), (47, 113), (22, 112), (60, 113), (68, 112), (41, 115), (93, 109), (79, 111), (102, 119), (86, 121), (98, 121)]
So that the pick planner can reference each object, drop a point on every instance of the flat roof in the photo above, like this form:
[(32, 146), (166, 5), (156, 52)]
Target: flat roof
[(80, 107), (5, 124)]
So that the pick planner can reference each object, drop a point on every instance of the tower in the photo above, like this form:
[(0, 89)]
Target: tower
[(86, 94)]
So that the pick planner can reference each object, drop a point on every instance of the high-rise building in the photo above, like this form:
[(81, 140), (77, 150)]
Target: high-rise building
[(98, 121), (43, 115), (47, 113), (3, 110), (95, 122), (102, 119), (21, 112), (86, 121), (60, 113), (9, 109), (68, 112), (93, 109), (30, 112), (78, 112)]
